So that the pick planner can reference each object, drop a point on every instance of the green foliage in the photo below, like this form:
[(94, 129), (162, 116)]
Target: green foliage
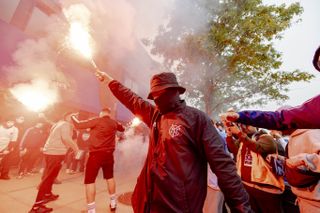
[(231, 61)]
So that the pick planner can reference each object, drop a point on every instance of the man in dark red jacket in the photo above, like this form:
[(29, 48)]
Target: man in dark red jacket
[(101, 147), (182, 143)]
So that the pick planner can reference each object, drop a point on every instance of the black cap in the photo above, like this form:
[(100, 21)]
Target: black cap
[(316, 59), (163, 81)]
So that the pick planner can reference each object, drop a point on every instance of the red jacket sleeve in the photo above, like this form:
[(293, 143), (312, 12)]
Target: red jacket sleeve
[(132, 101), (84, 124)]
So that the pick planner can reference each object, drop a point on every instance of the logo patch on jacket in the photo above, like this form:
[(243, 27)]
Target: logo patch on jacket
[(175, 130)]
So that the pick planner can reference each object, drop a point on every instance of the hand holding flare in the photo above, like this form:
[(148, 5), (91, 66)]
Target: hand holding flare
[(103, 77)]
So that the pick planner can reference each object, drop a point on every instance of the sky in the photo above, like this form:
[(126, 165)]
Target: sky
[(298, 46)]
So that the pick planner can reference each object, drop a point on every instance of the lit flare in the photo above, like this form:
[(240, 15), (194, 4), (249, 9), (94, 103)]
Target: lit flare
[(79, 38), (36, 96), (135, 122)]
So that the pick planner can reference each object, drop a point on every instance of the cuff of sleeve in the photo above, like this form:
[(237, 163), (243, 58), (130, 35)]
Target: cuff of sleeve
[(242, 117), (112, 82)]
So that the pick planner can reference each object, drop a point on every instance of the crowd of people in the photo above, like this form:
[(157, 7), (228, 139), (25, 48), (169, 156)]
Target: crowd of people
[(83, 146), (249, 168)]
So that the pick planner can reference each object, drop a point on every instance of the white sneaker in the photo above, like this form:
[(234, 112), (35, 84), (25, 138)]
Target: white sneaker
[(20, 176), (113, 204)]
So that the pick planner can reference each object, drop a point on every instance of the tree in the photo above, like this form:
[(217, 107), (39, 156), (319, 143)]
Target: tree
[(231, 60)]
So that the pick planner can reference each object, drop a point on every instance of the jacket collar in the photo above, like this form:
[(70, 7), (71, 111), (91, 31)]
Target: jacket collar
[(180, 105)]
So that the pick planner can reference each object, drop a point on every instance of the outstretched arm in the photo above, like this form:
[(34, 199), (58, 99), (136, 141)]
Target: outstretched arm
[(305, 116), (84, 124), (132, 101)]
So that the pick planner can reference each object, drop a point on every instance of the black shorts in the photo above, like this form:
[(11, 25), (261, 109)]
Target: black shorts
[(96, 161)]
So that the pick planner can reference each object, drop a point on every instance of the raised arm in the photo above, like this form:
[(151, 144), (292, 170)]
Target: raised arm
[(305, 116), (132, 101), (84, 124)]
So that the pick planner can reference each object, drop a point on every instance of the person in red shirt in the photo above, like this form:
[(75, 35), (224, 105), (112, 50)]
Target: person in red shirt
[(101, 147)]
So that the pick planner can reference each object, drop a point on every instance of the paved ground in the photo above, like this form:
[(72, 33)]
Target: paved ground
[(17, 196)]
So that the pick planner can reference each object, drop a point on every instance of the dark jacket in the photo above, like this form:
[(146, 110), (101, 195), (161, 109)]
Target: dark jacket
[(102, 132), (33, 138), (305, 116), (182, 143)]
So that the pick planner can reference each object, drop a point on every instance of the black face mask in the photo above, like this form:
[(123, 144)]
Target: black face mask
[(167, 101)]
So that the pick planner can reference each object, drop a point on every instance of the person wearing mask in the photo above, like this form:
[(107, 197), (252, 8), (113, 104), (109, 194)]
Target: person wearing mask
[(55, 149), (103, 131), (8, 139), (181, 144)]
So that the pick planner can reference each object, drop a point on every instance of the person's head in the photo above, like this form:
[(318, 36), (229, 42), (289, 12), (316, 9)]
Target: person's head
[(8, 122), (105, 112), (258, 133), (165, 90), (39, 125), (316, 59), (20, 119)]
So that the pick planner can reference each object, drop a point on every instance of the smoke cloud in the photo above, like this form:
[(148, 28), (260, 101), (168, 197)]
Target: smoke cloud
[(116, 29), (130, 155)]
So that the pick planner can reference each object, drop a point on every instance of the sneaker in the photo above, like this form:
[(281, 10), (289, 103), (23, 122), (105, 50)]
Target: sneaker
[(113, 205), (50, 198), (72, 172), (6, 177), (40, 209), (20, 176)]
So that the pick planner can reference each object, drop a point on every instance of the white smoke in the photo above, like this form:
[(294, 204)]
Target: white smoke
[(130, 155), (115, 26)]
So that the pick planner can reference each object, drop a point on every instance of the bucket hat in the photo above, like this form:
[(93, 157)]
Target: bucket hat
[(163, 81)]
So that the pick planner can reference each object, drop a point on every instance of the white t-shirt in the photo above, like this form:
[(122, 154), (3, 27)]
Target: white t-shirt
[(212, 180), (7, 135)]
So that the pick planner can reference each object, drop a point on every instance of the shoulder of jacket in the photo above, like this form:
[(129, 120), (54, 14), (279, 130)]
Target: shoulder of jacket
[(195, 111)]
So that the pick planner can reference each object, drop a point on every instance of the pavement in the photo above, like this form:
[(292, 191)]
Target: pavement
[(18, 195)]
